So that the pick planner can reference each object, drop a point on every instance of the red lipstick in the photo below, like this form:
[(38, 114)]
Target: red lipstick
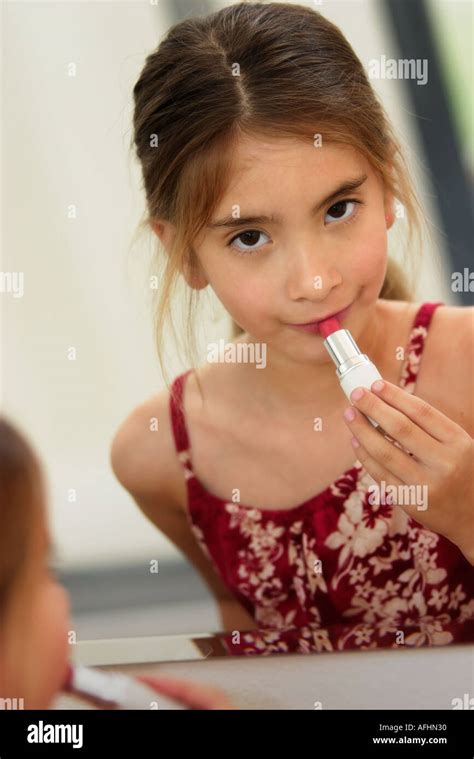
[(315, 327), (328, 326)]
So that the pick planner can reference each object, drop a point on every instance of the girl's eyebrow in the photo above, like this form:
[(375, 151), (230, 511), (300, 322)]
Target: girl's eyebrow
[(229, 221)]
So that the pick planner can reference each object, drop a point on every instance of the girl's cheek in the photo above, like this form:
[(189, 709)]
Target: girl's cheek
[(247, 301), (369, 260)]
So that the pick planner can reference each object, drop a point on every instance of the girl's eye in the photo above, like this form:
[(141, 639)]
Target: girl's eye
[(339, 210), (250, 237)]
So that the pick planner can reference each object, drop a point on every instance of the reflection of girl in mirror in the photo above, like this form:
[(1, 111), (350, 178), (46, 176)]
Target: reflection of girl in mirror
[(272, 174), (34, 607)]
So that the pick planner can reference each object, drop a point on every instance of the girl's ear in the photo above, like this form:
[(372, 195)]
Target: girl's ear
[(193, 274), (389, 212), (195, 277), (389, 218), (165, 231)]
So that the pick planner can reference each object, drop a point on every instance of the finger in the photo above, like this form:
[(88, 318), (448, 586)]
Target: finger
[(387, 455), (400, 427), (194, 695), (378, 473), (388, 489), (430, 419)]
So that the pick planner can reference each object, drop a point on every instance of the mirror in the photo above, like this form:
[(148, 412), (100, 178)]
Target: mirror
[(237, 518)]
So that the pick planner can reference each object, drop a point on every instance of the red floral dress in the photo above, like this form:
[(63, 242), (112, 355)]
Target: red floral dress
[(334, 568)]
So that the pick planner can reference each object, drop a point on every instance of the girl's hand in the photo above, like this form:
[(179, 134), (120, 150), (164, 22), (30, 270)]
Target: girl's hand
[(192, 695), (429, 450)]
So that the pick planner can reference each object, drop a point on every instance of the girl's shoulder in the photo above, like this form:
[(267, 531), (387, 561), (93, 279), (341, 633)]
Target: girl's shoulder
[(447, 364), (143, 454)]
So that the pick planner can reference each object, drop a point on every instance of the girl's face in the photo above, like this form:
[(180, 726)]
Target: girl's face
[(310, 254), (34, 640)]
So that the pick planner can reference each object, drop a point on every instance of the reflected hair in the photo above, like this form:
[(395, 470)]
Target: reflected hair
[(22, 531)]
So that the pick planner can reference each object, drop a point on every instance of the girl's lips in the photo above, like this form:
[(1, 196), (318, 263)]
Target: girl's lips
[(313, 327)]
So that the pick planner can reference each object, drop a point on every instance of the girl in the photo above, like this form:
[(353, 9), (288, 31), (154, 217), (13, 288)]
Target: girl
[(271, 174), (34, 608)]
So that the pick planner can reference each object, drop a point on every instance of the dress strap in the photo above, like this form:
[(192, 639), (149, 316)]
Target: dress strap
[(416, 344), (178, 422)]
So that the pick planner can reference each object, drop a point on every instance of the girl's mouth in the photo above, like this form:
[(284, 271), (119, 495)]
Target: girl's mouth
[(313, 327)]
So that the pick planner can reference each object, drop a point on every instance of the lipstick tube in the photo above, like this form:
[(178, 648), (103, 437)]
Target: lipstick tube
[(353, 368), (114, 690)]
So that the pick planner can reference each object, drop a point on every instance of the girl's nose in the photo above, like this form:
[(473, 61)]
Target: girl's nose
[(309, 276)]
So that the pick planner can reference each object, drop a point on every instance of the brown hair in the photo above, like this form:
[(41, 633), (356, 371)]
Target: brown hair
[(297, 76), (21, 510)]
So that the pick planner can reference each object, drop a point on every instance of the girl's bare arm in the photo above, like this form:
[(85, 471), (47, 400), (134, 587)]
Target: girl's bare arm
[(145, 463)]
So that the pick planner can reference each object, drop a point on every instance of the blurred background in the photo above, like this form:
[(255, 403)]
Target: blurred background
[(71, 202)]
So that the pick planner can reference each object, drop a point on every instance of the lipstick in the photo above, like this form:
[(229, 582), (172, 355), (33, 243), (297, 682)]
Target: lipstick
[(353, 368), (313, 327), (114, 690)]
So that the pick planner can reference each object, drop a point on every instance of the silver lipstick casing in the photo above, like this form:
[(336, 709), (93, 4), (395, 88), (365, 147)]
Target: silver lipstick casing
[(353, 368), (116, 690)]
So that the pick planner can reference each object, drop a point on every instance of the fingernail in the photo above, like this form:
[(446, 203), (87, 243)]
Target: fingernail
[(355, 442), (357, 394), (378, 386), (349, 414)]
